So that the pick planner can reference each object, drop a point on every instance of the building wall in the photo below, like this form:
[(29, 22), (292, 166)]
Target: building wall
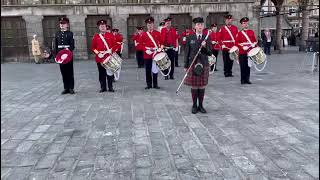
[(33, 13)]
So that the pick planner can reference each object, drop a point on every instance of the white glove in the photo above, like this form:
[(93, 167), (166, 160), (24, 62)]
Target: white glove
[(176, 49), (159, 50), (109, 51), (214, 42), (101, 54), (245, 48), (148, 51), (254, 44), (223, 46)]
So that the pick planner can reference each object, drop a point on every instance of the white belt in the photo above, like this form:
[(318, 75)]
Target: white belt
[(63, 46), (228, 41), (151, 48), (247, 43)]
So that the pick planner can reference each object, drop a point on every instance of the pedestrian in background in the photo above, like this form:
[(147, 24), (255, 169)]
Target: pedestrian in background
[(266, 41), (36, 52)]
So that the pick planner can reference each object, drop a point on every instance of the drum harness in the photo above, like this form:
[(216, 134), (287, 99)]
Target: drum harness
[(116, 74), (156, 47), (228, 30), (255, 66)]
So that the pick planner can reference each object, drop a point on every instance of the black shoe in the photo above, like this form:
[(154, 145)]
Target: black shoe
[(148, 87), (216, 70), (171, 77), (194, 109), (230, 75), (248, 82), (111, 90), (71, 91), (166, 78), (65, 91), (243, 82), (201, 109), (156, 87), (102, 90)]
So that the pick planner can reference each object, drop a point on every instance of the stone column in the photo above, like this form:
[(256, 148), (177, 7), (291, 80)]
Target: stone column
[(78, 27), (33, 26), (119, 21)]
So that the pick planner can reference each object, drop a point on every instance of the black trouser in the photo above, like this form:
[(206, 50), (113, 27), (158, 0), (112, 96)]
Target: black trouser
[(150, 78), (176, 58), (171, 54), (119, 53), (267, 47), (227, 63), (102, 77), (139, 56), (215, 53), (67, 75), (244, 68)]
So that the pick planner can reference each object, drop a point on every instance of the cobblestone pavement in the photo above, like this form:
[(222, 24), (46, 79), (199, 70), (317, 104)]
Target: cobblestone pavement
[(267, 130)]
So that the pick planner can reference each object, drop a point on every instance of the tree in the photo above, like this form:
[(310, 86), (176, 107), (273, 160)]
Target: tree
[(303, 4), (278, 5)]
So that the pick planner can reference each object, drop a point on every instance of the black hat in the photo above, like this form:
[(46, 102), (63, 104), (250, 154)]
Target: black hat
[(214, 25), (108, 27), (228, 16), (167, 19), (115, 30), (139, 27), (64, 20), (149, 20), (161, 24), (244, 19), (198, 20), (101, 22)]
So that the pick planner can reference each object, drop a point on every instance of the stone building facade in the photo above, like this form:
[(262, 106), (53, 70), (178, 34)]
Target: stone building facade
[(41, 17)]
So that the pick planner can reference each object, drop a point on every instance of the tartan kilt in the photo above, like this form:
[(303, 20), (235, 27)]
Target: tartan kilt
[(193, 80)]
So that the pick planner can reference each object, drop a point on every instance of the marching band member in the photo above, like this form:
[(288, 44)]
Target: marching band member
[(64, 40), (245, 41), (101, 52), (226, 40), (151, 43), (215, 44), (169, 42), (138, 45), (197, 80), (176, 57), (118, 37), (161, 24)]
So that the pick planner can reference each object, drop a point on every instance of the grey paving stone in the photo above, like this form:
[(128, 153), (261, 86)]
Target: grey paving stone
[(267, 130)]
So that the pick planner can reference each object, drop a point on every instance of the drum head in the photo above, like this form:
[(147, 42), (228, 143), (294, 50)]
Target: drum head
[(254, 51), (159, 56), (233, 49)]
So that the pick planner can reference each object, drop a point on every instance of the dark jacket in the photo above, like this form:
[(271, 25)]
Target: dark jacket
[(192, 47), (264, 37), (64, 38)]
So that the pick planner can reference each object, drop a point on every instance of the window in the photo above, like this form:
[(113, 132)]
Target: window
[(292, 11)]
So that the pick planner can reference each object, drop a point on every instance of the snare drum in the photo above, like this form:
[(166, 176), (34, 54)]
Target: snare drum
[(257, 55), (234, 53), (212, 59), (162, 60), (112, 62)]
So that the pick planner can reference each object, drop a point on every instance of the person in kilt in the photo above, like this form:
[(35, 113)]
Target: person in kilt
[(197, 82)]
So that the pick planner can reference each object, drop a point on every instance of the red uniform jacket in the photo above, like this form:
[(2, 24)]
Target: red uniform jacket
[(169, 37), (214, 39), (241, 41), (147, 43), (97, 45), (118, 38), (225, 38), (137, 41)]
